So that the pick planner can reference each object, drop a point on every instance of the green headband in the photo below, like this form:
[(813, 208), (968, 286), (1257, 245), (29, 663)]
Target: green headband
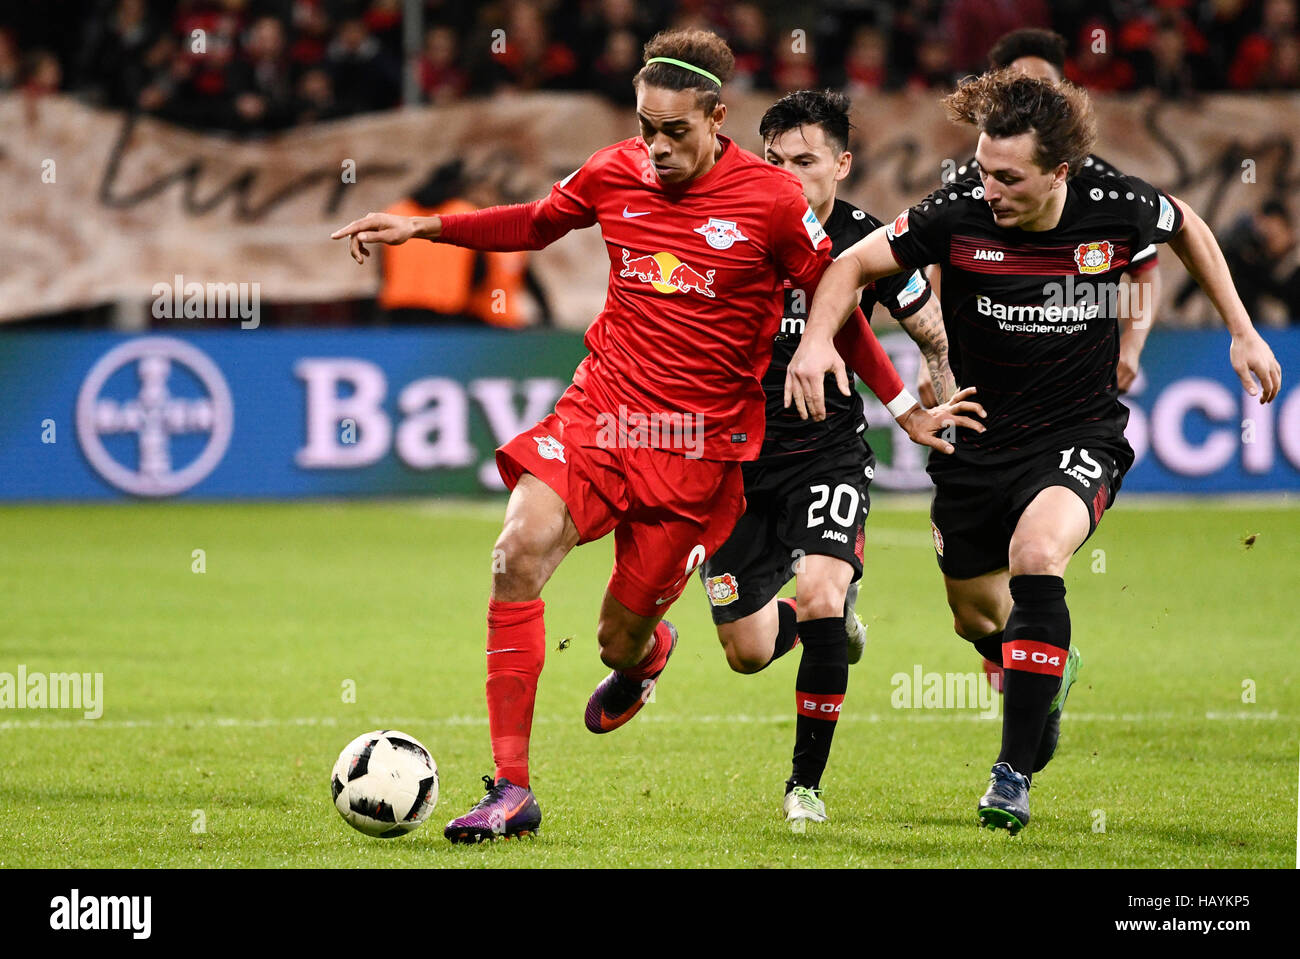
[(685, 66)]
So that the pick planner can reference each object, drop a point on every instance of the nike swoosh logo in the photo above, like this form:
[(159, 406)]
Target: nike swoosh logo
[(511, 650), (630, 215)]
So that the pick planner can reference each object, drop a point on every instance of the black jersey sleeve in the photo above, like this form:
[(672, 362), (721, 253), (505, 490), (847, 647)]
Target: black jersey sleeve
[(919, 235), (902, 294), (1158, 217)]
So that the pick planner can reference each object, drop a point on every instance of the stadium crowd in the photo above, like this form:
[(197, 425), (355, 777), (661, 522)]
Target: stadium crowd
[(261, 65)]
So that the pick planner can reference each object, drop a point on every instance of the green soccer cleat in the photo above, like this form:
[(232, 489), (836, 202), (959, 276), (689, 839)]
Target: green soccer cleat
[(1052, 729), (803, 805), (853, 624), (1006, 804)]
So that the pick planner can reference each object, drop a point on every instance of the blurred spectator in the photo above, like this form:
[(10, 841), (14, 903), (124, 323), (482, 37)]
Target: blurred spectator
[(41, 73), (260, 81), (314, 97), (1272, 49), (1169, 53), (1260, 250), (531, 60), (933, 66), (793, 71), (112, 59), (749, 43), (973, 26), (437, 283), (364, 77), (1095, 65), (310, 27), (867, 64), (441, 79), (9, 66), (617, 64)]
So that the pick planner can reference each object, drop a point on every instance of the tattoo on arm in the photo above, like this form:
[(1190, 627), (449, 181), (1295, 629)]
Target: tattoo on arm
[(925, 327)]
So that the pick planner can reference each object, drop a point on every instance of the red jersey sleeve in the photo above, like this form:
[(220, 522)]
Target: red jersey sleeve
[(803, 252), (526, 226)]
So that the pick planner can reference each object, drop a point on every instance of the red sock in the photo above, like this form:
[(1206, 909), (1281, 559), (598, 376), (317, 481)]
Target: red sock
[(516, 650), (654, 660)]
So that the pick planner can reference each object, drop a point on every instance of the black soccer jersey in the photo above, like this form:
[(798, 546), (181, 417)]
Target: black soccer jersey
[(1091, 164), (902, 294), (1031, 316)]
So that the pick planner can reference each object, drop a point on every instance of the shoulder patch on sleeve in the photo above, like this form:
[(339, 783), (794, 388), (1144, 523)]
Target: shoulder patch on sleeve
[(915, 287), (898, 227), (816, 233), (1167, 214)]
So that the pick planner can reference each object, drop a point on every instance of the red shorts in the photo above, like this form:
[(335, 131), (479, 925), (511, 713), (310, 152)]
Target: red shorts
[(668, 511)]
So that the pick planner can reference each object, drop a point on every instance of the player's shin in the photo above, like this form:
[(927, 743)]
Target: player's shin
[(1036, 643), (516, 650), (822, 680)]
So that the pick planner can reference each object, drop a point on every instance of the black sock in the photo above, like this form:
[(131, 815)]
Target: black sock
[(990, 647), (1036, 642), (819, 692)]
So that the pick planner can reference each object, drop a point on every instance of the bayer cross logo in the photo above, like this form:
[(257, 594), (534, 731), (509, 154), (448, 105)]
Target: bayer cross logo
[(155, 401)]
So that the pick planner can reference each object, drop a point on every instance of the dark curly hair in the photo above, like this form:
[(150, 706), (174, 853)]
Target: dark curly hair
[(1030, 42), (1006, 103), (700, 48), (823, 108)]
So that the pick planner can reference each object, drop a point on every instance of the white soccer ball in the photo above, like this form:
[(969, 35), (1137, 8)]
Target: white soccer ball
[(385, 783)]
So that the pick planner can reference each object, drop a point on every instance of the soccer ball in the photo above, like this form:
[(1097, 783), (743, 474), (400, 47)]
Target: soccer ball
[(385, 783)]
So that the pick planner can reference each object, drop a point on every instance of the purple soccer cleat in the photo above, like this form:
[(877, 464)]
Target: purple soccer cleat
[(618, 697), (507, 810)]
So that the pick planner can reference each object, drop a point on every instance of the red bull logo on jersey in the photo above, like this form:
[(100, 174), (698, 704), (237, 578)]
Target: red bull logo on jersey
[(721, 234), (666, 273), (1093, 257)]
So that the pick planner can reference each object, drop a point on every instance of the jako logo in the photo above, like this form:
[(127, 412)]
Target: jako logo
[(145, 405), (71, 913), (996, 256)]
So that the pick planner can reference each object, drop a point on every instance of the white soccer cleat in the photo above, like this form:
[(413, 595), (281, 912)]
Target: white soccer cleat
[(803, 805), (853, 624)]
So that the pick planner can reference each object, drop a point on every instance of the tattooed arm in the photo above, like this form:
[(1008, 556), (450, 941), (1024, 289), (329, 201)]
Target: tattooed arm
[(925, 327)]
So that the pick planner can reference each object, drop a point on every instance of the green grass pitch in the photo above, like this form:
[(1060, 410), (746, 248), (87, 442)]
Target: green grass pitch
[(224, 699)]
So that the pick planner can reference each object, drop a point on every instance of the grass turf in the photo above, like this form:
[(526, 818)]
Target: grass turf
[(224, 700)]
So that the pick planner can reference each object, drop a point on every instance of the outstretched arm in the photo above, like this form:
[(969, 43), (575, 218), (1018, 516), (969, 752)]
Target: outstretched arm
[(525, 226), (1251, 357)]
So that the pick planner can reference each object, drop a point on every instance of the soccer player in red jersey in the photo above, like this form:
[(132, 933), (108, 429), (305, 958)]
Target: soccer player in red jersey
[(647, 442)]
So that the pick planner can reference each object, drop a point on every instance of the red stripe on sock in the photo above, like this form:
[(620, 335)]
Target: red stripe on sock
[(516, 651), (818, 705), (1033, 657)]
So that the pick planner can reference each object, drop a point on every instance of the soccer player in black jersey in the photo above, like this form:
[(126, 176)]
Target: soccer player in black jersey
[(1032, 252), (1041, 53), (806, 493)]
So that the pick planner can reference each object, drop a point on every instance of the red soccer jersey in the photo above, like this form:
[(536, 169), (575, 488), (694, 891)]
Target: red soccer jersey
[(695, 281)]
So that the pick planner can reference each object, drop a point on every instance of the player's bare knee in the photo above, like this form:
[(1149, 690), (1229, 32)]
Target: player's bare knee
[(1037, 558), (518, 567), (822, 600), (741, 659)]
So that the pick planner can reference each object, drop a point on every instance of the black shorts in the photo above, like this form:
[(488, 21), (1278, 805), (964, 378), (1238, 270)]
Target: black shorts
[(975, 508), (803, 504)]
